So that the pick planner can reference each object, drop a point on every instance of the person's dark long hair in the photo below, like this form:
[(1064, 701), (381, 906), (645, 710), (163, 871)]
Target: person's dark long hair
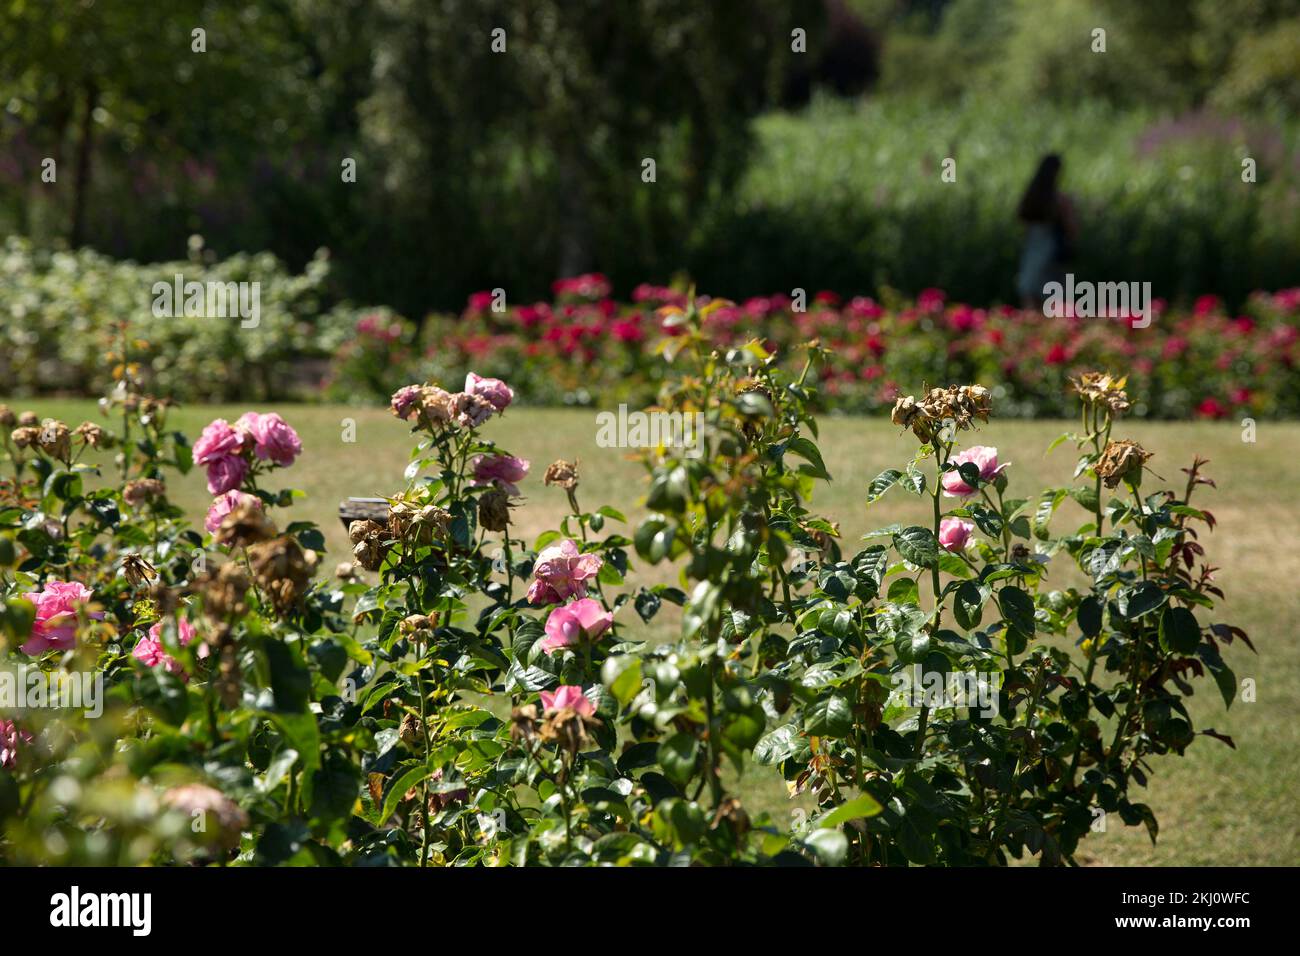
[(1038, 204)]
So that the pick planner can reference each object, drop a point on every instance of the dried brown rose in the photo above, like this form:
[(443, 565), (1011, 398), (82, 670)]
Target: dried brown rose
[(523, 723), (437, 406), (1122, 461), (282, 570), (246, 525), (494, 510), (471, 410), (733, 814), (91, 434), (55, 439), (960, 405), (209, 806), (1102, 388), (409, 730), (418, 625), (137, 570), (562, 473), (361, 529), (565, 728), (368, 543), (223, 591), (143, 490), (419, 525)]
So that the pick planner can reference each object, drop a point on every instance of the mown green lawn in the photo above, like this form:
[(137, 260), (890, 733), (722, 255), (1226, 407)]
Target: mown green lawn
[(1216, 806)]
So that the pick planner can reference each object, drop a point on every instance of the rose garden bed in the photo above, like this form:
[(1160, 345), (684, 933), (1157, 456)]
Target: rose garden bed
[(301, 718)]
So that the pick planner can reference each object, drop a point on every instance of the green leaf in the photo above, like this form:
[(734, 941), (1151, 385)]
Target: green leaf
[(670, 489), (829, 717), (290, 681), (855, 809), (829, 846), (1141, 599), (1089, 616), (1018, 609), (779, 745), (399, 788), (678, 756), (654, 538), (1179, 632), (701, 608), (918, 545), (1046, 508), (754, 404), (968, 608), (622, 675), (1227, 681), (914, 480), (1086, 496), (904, 591), (276, 770), (882, 483), (804, 448)]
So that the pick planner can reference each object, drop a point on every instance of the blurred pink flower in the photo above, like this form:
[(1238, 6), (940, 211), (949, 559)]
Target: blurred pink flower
[(404, 401), (562, 572), (931, 300), (274, 439), (983, 457), (569, 624), (55, 627), (218, 440), (150, 652), (226, 474), (223, 504), (493, 389), (955, 534), (500, 470), (11, 736), (568, 696)]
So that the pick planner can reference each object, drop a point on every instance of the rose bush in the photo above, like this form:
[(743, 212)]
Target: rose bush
[(587, 348), (62, 311), (456, 695)]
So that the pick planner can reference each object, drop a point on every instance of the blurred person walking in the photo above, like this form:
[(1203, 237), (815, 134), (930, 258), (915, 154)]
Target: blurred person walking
[(1050, 231)]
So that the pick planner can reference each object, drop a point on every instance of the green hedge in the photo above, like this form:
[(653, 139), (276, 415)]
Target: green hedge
[(849, 197), (61, 315)]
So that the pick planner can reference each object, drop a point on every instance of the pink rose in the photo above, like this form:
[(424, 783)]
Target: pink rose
[(500, 470), (562, 572), (11, 737), (55, 627), (405, 400), (568, 624), (955, 534), (493, 389), (275, 440), (222, 505), (226, 474), (982, 457), (567, 696), (218, 440), (150, 652)]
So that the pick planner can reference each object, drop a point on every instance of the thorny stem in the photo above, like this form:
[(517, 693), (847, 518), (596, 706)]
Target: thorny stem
[(424, 731), (941, 454)]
